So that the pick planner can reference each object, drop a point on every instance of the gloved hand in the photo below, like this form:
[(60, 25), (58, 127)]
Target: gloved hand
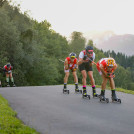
[(91, 59), (75, 66), (110, 75), (74, 69), (9, 72), (85, 57)]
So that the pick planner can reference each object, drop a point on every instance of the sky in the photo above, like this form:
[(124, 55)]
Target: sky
[(67, 16)]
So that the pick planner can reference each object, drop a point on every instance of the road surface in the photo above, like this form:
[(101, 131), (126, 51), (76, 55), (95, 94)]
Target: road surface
[(49, 111)]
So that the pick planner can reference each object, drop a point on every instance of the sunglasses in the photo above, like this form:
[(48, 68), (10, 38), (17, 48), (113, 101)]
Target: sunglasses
[(110, 66), (90, 52), (72, 57)]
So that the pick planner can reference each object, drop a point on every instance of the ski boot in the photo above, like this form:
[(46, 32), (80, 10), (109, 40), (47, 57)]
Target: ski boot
[(85, 95), (115, 98), (65, 90), (14, 85), (78, 91), (102, 97), (95, 95), (8, 85)]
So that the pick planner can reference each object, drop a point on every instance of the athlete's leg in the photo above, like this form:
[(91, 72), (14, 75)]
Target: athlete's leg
[(84, 77), (112, 85), (7, 79), (90, 74), (75, 79), (66, 79), (103, 85), (0, 84), (104, 82)]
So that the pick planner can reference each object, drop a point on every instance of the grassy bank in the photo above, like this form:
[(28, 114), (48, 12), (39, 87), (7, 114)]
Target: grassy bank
[(119, 89), (9, 123)]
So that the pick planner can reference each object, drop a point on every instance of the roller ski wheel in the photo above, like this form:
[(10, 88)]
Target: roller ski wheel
[(86, 96), (116, 100), (14, 85), (65, 91), (78, 91), (95, 96), (8, 85), (103, 99)]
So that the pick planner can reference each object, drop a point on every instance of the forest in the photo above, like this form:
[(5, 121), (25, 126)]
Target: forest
[(33, 48)]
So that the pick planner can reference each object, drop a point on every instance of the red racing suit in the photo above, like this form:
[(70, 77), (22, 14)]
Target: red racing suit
[(103, 62), (70, 64)]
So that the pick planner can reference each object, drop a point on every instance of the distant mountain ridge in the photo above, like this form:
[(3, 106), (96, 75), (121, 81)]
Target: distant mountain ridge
[(109, 41)]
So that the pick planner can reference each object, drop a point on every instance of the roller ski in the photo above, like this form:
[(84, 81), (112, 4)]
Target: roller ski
[(8, 85), (78, 91), (95, 95), (14, 85), (85, 95), (65, 90), (102, 97), (115, 98)]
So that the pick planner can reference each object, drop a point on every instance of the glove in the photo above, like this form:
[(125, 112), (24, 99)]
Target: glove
[(9, 72), (111, 75), (91, 59), (85, 57), (75, 65), (74, 69)]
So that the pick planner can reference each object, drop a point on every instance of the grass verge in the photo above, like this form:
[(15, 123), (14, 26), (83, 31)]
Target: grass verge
[(9, 123), (119, 89)]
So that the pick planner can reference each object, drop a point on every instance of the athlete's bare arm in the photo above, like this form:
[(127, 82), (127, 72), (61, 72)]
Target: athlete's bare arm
[(102, 70), (115, 67), (77, 64), (80, 61), (66, 65)]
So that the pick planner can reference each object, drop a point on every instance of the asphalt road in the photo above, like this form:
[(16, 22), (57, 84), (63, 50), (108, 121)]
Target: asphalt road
[(49, 111)]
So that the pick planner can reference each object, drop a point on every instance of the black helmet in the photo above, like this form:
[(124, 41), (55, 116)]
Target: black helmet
[(8, 65), (72, 55), (89, 48)]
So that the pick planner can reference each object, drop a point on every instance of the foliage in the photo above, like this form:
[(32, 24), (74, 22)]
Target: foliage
[(77, 42), (34, 50)]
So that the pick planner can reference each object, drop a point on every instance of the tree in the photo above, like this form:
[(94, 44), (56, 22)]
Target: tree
[(90, 43), (77, 42)]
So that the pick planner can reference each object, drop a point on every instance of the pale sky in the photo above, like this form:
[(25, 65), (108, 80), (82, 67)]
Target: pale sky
[(67, 16)]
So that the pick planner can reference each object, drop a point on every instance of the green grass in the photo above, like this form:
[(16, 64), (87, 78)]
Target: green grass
[(125, 90), (9, 123), (119, 89)]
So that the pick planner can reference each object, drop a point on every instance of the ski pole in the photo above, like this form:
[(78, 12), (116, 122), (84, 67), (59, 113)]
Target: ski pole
[(61, 60), (93, 62)]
